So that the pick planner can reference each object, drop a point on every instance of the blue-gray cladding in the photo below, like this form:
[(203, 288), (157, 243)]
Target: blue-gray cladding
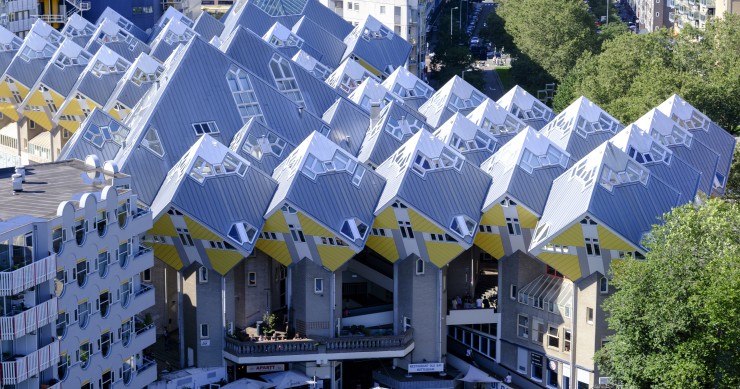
[(702, 158), (532, 189), (207, 26), (99, 89), (321, 45), (26, 72), (79, 148), (348, 123)]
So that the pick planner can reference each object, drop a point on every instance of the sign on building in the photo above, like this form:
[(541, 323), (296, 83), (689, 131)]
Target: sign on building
[(265, 368), (426, 367)]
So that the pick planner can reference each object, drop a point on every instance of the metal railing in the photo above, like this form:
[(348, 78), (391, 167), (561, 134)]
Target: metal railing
[(23, 321), (321, 345)]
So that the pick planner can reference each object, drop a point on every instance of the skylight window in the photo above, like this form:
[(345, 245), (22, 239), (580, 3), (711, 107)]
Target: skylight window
[(382, 33), (632, 173), (446, 159), (152, 143), (509, 126), (230, 164), (140, 77), (258, 146), (284, 78), (457, 103), (696, 122), (604, 124), (584, 172), (419, 90), (244, 96), (28, 53), (63, 60), (479, 142), (657, 153), (113, 132), (354, 229), (291, 41), (552, 157), (99, 68), (340, 162), (402, 128), (243, 233), (463, 226), (677, 136), (538, 111), (205, 128), (172, 37)]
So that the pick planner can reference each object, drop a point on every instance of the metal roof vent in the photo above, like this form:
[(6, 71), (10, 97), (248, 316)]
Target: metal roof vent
[(17, 183), (22, 171)]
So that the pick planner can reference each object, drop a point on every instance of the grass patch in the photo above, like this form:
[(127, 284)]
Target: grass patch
[(504, 73)]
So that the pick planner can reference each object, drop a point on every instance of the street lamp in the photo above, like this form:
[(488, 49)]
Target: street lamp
[(451, 20)]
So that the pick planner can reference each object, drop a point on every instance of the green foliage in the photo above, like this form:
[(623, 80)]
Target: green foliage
[(269, 323), (524, 71), (676, 314), (450, 57), (554, 33), (732, 191), (635, 72)]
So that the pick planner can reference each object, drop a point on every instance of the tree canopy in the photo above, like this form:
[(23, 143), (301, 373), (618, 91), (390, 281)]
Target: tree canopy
[(676, 313), (635, 72), (554, 33)]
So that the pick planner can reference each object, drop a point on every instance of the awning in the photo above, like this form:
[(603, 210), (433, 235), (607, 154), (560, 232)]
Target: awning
[(476, 375), (286, 379), (550, 289)]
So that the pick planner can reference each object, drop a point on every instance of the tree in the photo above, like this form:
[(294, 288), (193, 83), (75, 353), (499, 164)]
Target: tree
[(554, 33), (635, 72), (451, 58), (732, 190), (676, 314)]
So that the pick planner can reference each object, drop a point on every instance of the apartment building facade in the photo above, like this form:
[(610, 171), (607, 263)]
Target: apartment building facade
[(71, 280), (326, 184)]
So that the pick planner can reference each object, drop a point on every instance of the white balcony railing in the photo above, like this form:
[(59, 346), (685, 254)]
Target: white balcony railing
[(24, 322), (14, 282), (18, 370)]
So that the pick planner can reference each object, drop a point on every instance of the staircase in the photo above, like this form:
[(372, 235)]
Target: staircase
[(487, 283), (76, 6)]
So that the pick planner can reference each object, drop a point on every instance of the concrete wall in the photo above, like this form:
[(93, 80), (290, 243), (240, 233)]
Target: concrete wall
[(202, 304), (313, 311)]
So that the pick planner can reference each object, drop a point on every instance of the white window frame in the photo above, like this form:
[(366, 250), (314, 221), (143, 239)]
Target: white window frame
[(549, 336), (512, 292), (204, 326), (318, 285), (202, 275), (538, 331), (252, 278), (603, 285), (420, 266), (589, 315), (524, 326)]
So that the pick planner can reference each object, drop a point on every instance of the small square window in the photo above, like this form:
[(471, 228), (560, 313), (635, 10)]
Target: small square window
[(146, 275), (204, 330), (203, 275), (252, 278), (590, 315), (318, 285), (419, 266), (512, 292)]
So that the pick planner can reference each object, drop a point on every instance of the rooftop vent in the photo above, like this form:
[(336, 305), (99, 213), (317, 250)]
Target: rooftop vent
[(17, 183)]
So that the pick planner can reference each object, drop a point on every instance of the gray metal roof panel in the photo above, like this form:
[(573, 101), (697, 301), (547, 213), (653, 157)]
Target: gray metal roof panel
[(79, 148), (208, 26), (532, 190), (385, 54), (268, 160), (348, 123), (378, 144), (321, 45), (111, 14), (99, 89)]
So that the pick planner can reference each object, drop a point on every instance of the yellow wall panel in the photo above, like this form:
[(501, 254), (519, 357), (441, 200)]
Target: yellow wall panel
[(70, 125), (607, 240), (276, 249), (490, 243), (276, 223), (494, 216), (167, 254), (422, 224), (8, 110), (223, 260), (385, 246), (311, 227), (370, 68), (73, 108), (5, 90), (334, 256), (164, 227), (41, 118), (115, 114), (386, 219), (22, 89), (57, 98), (200, 232), (526, 218), (441, 253), (564, 263), (37, 99), (573, 236)]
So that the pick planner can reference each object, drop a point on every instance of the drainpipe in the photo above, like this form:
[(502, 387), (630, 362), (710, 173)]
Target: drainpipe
[(180, 320), (333, 305)]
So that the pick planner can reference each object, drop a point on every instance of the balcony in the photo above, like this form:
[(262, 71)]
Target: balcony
[(18, 322), (143, 336), (146, 373), (140, 260), (14, 281), (473, 316), (334, 349), (143, 298), (140, 221), (19, 368)]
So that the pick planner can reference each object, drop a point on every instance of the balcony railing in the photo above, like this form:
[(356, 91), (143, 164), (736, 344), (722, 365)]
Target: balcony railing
[(143, 288), (16, 281), (320, 345), (146, 363), (21, 322), (21, 367)]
